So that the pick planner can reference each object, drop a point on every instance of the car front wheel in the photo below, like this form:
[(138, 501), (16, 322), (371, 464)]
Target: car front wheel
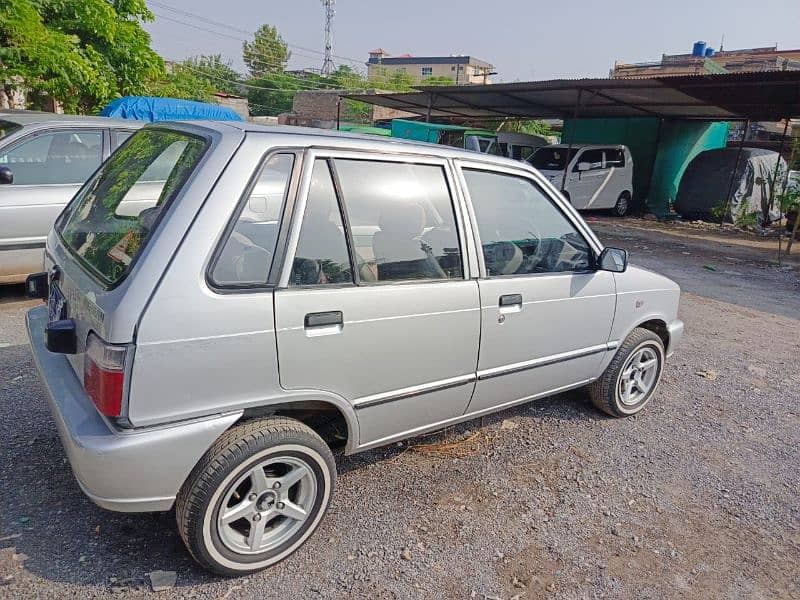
[(629, 381), (256, 496)]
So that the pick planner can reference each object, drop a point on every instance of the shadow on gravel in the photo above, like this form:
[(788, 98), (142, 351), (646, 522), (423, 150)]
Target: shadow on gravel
[(61, 536)]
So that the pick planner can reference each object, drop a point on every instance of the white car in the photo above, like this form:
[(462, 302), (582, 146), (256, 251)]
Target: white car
[(598, 176)]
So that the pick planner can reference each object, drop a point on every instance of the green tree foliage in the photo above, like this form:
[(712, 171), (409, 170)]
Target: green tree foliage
[(273, 93), (184, 83), (267, 53), (438, 80), (219, 72), (83, 53)]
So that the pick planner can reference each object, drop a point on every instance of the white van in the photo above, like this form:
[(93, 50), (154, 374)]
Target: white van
[(598, 177)]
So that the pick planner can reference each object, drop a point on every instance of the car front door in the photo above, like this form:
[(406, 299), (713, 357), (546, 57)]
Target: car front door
[(375, 304), (586, 186), (546, 313), (48, 168)]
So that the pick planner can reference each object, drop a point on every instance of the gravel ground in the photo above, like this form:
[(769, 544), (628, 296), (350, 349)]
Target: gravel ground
[(697, 497)]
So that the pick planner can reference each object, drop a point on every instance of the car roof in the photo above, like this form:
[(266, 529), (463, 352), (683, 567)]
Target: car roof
[(31, 117), (315, 136)]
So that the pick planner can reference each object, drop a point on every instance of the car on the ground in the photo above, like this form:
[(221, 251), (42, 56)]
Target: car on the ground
[(208, 342), (44, 160), (597, 176)]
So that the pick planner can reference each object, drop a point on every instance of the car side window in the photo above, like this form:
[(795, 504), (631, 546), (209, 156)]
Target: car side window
[(522, 232), (118, 136), (58, 157), (593, 157), (615, 157), (322, 256), (402, 219), (246, 257)]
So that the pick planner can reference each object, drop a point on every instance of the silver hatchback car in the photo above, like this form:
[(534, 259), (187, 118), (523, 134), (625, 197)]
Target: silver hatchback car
[(208, 339), (44, 160)]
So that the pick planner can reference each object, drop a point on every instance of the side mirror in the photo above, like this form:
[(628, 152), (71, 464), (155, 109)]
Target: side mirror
[(37, 286), (584, 166), (613, 259), (6, 175)]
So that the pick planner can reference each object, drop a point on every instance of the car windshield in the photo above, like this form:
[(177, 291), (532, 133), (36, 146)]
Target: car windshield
[(8, 127), (551, 159), (108, 222)]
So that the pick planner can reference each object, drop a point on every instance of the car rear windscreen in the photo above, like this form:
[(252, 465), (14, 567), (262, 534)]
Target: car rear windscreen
[(108, 222), (8, 127)]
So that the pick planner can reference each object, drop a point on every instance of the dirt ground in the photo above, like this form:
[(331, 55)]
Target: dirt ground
[(697, 497)]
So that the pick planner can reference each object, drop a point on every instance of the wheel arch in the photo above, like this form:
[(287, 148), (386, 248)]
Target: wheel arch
[(657, 325), (330, 416)]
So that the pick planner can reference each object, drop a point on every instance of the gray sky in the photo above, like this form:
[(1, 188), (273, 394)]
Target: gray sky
[(523, 39)]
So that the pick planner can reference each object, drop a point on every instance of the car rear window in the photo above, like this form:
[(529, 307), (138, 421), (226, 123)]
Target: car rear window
[(108, 222), (8, 127)]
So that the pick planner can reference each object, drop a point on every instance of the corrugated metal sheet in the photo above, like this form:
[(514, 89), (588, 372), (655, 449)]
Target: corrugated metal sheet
[(765, 96)]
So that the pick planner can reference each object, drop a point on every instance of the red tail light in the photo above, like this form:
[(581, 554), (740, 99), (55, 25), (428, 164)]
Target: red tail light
[(104, 375)]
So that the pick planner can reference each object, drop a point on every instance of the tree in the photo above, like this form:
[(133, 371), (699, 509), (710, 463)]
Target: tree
[(267, 53), (218, 72), (273, 93), (438, 80), (182, 82), (82, 53)]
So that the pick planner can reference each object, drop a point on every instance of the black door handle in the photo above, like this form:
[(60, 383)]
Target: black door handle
[(511, 300), (323, 319)]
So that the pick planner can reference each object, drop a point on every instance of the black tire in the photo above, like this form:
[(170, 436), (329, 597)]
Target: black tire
[(623, 205), (235, 453), (605, 392)]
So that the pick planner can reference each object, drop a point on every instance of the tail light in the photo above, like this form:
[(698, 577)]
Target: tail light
[(104, 375)]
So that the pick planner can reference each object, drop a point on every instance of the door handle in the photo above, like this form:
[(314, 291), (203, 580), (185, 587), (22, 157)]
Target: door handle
[(511, 300), (324, 319)]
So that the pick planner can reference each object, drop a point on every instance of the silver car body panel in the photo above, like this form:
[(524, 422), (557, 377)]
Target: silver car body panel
[(408, 357), (27, 212)]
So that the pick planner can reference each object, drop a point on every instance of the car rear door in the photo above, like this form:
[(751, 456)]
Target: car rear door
[(546, 312), (375, 303)]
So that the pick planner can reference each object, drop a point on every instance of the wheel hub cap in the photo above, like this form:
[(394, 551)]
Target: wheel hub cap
[(639, 375), (266, 505)]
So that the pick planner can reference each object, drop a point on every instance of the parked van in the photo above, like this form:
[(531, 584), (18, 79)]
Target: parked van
[(598, 176), (285, 290), (456, 136), (44, 160), (519, 146)]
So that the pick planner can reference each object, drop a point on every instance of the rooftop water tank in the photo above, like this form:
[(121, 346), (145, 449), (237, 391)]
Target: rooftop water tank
[(699, 49), (710, 52)]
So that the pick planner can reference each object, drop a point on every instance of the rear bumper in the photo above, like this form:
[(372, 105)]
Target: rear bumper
[(127, 471), (675, 329)]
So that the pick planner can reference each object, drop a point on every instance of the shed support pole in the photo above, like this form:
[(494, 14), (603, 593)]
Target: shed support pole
[(773, 187), (735, 168), (569, 146), (338, 113), (430, 103)]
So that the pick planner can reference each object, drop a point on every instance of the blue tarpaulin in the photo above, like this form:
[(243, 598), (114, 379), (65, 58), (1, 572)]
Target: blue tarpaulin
[(149, 108)]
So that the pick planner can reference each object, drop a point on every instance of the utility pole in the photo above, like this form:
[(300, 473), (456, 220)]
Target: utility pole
[(330, 12)]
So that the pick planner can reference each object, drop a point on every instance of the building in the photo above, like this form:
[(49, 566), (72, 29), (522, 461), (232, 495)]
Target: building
[(463, 70), (704, 60), (237, 104), (324, 108)]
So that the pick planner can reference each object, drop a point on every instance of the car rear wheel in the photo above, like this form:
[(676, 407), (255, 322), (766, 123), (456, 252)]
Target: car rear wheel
[(256, 496), (622, 206), (629, 381)]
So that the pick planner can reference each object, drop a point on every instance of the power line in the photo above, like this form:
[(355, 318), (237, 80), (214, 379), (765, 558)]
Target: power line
[(239, 30)]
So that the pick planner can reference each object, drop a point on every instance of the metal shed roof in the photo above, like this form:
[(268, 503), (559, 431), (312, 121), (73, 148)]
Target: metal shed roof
[(770, 95)]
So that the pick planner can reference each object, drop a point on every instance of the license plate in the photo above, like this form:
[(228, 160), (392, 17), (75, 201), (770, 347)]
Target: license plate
[(57, 304)]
